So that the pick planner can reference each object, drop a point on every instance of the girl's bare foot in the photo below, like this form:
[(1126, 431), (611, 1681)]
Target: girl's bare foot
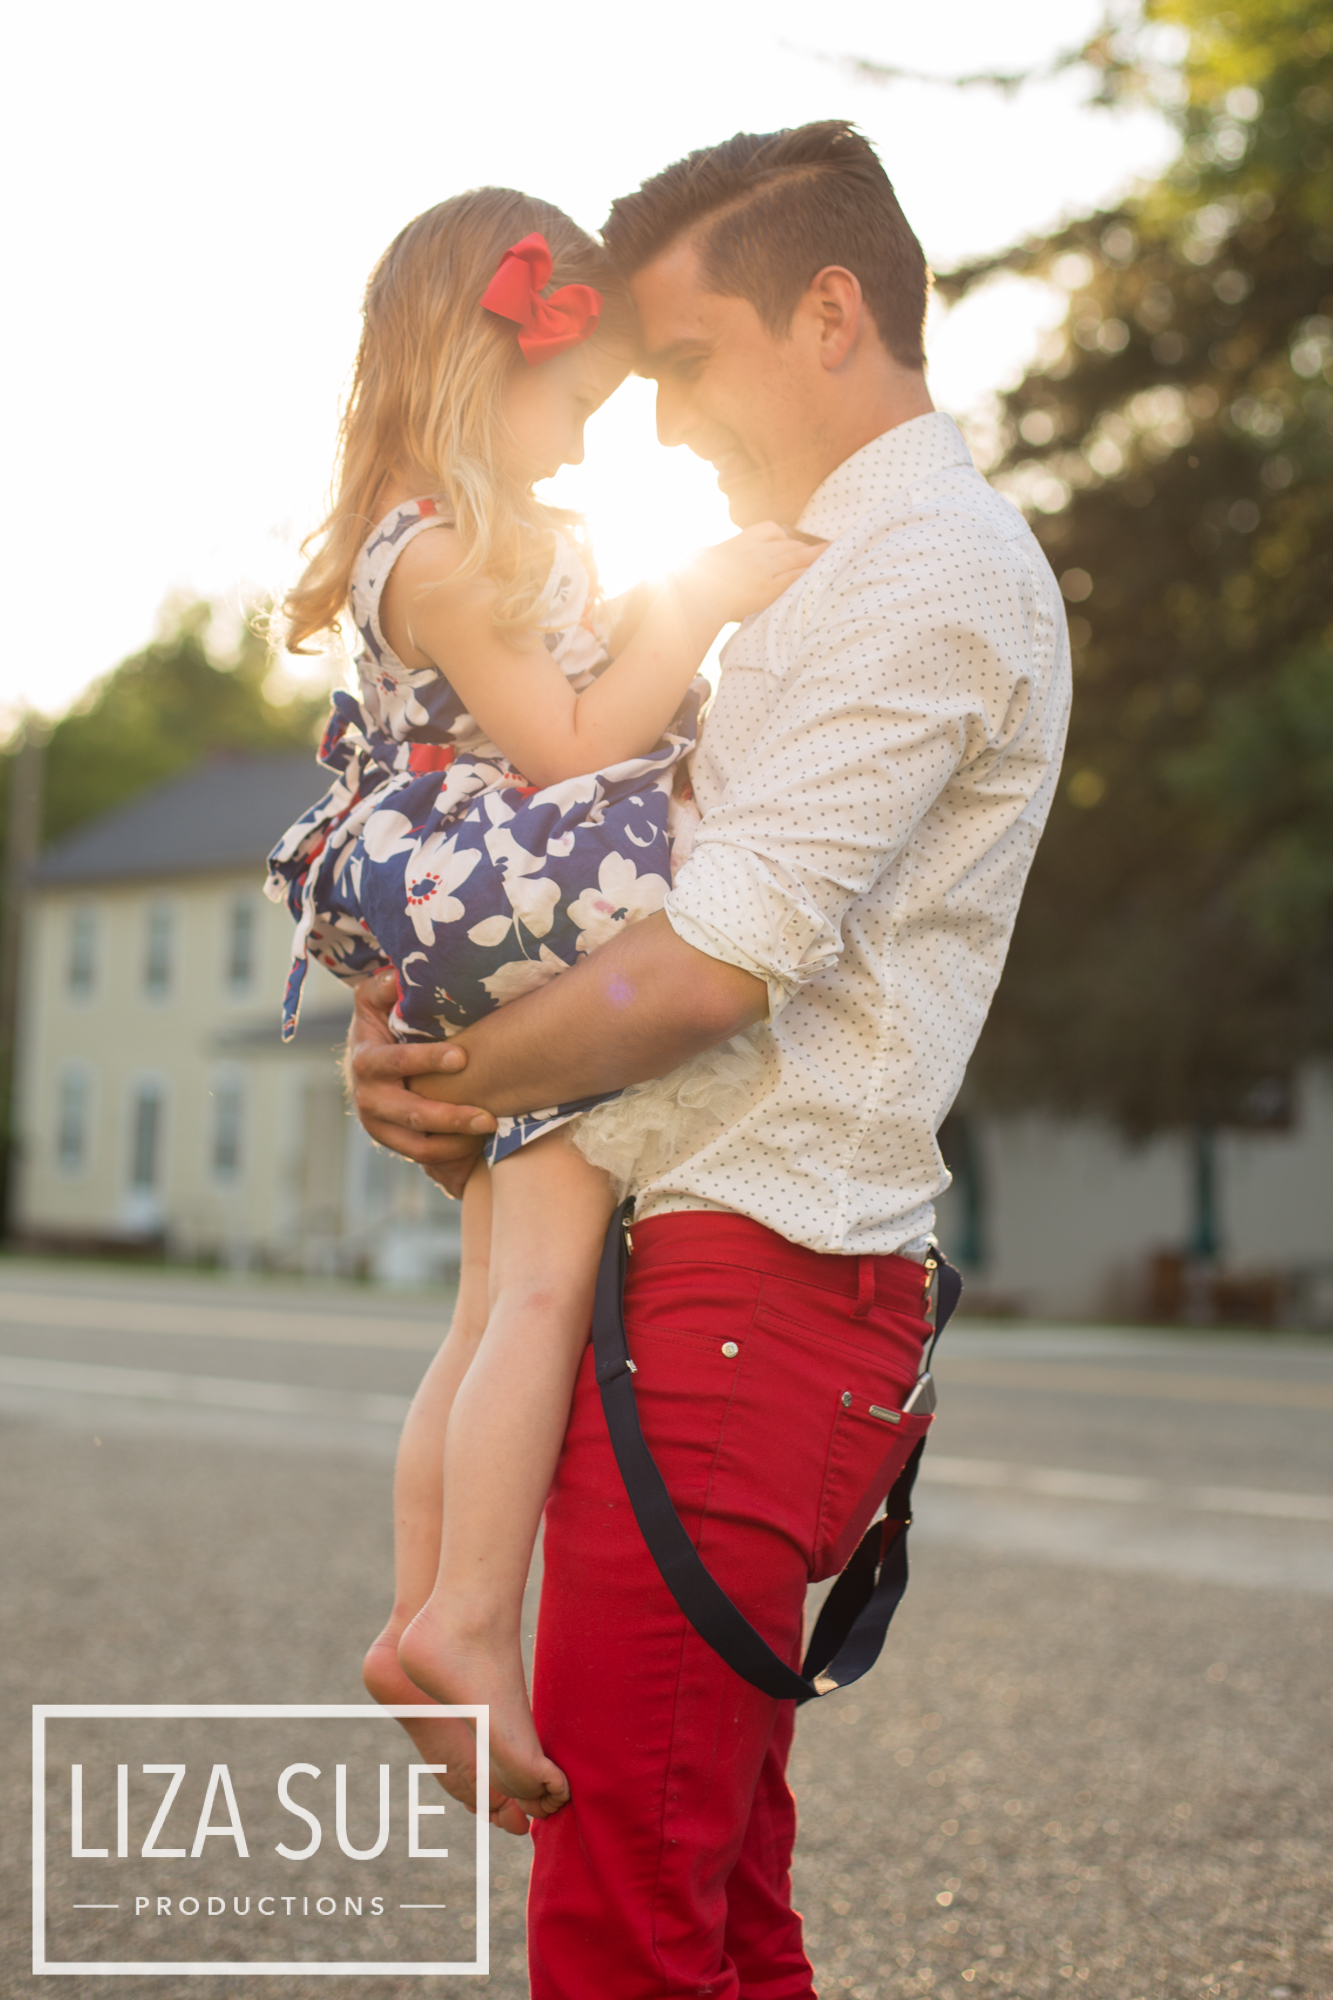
[(448, 1741), (456, 1663)]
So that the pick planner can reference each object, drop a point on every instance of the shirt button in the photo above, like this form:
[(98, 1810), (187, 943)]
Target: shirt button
[(730, 1349), (846, 1399)]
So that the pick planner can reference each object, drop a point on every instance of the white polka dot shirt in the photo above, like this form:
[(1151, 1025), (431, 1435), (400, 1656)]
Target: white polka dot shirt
[(874, 774)]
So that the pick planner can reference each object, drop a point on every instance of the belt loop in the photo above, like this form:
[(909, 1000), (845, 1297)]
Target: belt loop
[(865, 1287)]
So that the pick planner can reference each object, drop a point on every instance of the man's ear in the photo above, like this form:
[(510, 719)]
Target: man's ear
[(833, 307)]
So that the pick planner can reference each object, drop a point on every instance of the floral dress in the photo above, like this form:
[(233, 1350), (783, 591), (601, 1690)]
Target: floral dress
[(431, 854)]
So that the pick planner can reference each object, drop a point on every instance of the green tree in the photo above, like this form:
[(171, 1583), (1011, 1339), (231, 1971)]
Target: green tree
[(1173, 960), (161, 711)]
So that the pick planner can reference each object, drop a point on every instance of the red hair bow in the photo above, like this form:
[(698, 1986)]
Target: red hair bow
[(545, 326)]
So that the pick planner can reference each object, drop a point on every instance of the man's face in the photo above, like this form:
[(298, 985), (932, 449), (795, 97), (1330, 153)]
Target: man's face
[(729, 389)]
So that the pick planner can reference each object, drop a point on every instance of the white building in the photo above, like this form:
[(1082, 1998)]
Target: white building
[(1065, 1219), (157, 1102)]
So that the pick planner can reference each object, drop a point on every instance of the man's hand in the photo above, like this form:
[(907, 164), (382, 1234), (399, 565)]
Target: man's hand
[(632, 1009), (444, 1139)]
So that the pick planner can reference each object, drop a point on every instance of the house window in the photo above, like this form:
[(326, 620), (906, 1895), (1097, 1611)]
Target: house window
[(157, 952), (146, 1122), (73, 1105), (81, 969), (228, 1118), (241, 940)]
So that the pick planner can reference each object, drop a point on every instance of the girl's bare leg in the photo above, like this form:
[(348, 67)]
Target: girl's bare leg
[(418, 1498), (506, 1427)]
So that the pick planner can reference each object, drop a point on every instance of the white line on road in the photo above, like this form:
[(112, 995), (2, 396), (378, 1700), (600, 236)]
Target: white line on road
[(289, 1399), (225, 1321), (1279, 1506), (221, 1392), (1153, 1384), (1057, 1483)]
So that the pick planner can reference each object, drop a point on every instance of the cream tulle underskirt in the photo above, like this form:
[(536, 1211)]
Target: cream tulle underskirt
[(651, 1127)]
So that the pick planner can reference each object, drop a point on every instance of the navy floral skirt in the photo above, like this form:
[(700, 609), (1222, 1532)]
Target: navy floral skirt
[(474, 886)]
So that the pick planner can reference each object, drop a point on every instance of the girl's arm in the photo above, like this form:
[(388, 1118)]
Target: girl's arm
[(518, 695), (628, 611)]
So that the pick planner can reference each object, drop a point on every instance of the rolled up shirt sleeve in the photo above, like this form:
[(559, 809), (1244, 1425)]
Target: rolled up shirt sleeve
[(738, 908), (887, 701)]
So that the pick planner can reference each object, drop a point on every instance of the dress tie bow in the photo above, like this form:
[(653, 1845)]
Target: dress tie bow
[(545, 326)]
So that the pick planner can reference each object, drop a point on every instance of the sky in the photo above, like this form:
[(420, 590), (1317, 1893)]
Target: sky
[(197, 195)]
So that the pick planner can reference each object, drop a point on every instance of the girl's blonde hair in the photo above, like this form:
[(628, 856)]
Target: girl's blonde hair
[(428, 392)]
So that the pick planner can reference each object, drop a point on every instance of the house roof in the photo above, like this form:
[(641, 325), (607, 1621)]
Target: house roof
[(321, 1028), (223, 815)]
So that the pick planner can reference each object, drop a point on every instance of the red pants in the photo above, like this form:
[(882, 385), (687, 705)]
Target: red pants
[(669, 1872)]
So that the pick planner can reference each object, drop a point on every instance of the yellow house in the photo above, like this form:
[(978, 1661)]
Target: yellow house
[(157, 1102)]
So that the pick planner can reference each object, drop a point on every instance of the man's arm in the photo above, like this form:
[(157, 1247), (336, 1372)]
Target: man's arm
[(633, 1010)]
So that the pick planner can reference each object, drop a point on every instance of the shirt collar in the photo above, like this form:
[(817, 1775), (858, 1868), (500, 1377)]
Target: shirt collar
[(867, 480)]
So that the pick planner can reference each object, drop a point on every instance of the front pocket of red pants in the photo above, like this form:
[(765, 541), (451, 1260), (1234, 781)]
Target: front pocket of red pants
[(866, 1454)]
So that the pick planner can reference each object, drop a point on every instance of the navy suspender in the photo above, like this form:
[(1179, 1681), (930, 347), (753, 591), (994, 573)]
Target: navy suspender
[(849, 1632)]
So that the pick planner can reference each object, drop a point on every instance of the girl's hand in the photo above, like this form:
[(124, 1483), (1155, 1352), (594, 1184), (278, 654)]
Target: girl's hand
[(746, 574)]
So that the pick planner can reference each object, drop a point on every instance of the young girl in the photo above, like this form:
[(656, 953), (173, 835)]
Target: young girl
[(503, 801)]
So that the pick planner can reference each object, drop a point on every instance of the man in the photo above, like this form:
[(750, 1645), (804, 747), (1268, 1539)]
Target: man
[(873, 775)]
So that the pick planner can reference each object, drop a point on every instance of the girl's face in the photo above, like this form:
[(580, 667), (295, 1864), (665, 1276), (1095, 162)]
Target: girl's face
[(547, 406)]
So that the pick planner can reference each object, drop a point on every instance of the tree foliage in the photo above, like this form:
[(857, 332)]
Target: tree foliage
[(161, 711), (1174, 955), (157, 713)]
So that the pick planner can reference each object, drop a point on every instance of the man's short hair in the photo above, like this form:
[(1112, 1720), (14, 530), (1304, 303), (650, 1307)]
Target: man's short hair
[(769, 210)]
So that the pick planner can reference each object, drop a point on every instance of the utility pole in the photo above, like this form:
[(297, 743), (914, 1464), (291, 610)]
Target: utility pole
[(22, 834)]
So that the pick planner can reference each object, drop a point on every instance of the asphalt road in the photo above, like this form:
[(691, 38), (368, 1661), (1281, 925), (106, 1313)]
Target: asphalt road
[(1095, 1757)]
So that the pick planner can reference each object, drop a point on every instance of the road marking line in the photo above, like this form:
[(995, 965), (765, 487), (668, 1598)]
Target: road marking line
[(226, 1322), (1062, 1485), (283, 1399), (1280, 1506), (1075, 1378), (1056, 1482), (288, 1399)]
